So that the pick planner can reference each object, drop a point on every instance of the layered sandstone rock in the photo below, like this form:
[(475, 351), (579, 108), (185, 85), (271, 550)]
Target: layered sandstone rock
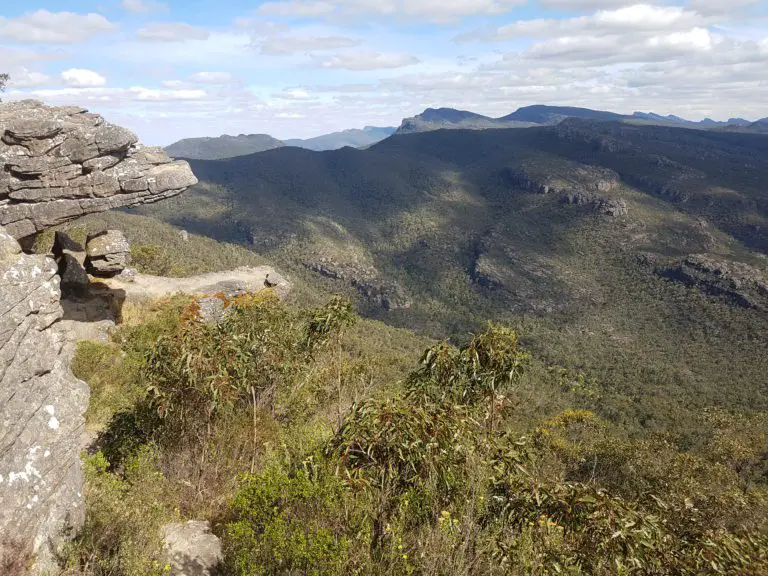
[(59, 163), (107, 253)]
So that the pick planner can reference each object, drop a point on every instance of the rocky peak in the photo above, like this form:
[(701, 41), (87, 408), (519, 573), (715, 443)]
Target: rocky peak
[(60, 163)]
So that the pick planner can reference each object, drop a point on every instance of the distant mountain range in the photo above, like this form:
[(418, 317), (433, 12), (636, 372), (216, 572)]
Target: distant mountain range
[(354, 138), (225, 146), (540, 115), (759, 127)]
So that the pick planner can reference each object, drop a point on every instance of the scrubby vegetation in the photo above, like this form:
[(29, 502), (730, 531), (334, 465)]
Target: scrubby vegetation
[(457, 222), (317, 444), (611, 420)]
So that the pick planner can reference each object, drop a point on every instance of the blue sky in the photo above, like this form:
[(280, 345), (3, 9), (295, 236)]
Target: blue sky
[(296, 68)]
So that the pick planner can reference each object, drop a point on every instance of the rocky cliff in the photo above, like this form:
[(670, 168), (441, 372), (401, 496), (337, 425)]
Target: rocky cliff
[(57, 164)]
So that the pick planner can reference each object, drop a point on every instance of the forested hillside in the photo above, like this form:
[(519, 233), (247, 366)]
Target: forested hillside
[(632, 254), (610, 420)]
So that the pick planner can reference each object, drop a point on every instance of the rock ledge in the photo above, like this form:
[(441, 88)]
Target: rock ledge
[(60, 163)]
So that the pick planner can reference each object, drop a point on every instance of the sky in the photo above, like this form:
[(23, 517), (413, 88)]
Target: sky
[(170, 69)]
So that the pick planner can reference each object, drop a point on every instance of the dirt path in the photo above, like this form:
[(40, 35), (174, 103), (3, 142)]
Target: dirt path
[(243, 278)]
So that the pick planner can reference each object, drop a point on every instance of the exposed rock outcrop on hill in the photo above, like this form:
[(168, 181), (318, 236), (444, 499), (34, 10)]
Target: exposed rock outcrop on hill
[(387, 295), (735, 281), (606, 206), (56, 164), (60, 163)]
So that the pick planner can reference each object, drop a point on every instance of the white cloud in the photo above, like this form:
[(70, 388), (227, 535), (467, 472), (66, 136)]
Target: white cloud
[(360, 61), (439, 11), (172, 32), (29, 79), (144, 6), (297, 8), (628, 19), (140, 93), (286, 45), (173, 84), (721, 6), (579, 5), (293, 94), (16, 58), (698, 39), (82, 78), (44, 27), (210, 78), (116, 96)]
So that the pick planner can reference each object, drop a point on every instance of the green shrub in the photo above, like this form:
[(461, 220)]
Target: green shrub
[(124, 512), (155, 260), (289, 524), (112, 376)]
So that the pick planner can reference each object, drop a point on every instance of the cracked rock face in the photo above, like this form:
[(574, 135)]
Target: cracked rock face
[(41, 410), (60, 163)]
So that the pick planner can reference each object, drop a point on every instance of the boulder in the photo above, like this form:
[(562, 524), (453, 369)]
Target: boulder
[(107, 253), (41, 412), (128, 275), (63, 243), (60, 163), (212, 310), (74, 278), (70, 256), (191, 549)]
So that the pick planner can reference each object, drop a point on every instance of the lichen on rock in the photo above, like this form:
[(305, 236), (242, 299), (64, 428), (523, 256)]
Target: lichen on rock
[(41, 409)]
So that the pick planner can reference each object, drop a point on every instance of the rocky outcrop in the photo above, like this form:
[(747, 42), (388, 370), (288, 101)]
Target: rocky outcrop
[(56, 164), (612, 207), (41, 410), (107, 253), (70, 257), (60, 163), (191, 549), (737, 282), (386, 295), (588, 178)]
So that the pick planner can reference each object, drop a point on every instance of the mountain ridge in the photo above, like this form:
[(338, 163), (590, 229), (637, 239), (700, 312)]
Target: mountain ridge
[(227, 146), (543, 115)]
